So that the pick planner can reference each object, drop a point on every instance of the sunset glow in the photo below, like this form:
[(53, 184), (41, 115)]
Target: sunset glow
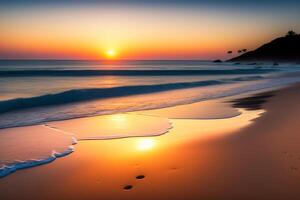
[(153, 100), (166, 32)]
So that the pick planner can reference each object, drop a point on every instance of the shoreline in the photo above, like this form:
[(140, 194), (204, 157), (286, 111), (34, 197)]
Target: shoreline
[(223, 166)]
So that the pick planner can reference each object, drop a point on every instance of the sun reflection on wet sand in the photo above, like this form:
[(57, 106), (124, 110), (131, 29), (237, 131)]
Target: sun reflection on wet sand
[(145, 144)]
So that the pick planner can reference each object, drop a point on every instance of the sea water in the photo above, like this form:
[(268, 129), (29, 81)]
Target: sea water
[(33, 92)]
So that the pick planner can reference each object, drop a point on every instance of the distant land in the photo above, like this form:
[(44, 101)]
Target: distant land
[(282, 49)]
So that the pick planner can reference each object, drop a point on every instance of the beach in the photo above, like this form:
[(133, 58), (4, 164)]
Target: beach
[(254, 155), (149, 100)]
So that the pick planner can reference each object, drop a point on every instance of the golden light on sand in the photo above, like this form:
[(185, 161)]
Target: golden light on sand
[(111, 53), (145, 144)]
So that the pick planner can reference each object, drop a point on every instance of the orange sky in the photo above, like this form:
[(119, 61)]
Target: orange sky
[(87, 32)]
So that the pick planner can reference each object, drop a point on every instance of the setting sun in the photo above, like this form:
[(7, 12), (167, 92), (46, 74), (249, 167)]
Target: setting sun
[(110, 53)]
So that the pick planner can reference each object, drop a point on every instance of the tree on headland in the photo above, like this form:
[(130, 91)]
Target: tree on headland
[(282, 49), (229, 52), (242, 51), (291, 33)]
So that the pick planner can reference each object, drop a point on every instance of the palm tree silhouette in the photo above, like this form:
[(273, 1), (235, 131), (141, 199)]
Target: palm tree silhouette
[(291, 33)]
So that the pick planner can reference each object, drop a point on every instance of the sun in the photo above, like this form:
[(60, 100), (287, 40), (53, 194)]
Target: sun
[(111, 53)]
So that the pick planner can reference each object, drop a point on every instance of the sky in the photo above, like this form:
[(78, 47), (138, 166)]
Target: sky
[(140, 29)]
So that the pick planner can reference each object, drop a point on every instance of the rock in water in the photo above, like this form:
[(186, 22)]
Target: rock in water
[(217, 61)]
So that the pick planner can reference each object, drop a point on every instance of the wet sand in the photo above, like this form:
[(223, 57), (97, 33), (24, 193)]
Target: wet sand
[(255, 155)]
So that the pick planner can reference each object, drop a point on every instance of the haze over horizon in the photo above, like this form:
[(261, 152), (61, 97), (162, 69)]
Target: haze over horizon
[(140, 29)]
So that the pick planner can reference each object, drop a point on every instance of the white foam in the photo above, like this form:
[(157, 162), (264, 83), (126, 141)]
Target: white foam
[(16, 165)]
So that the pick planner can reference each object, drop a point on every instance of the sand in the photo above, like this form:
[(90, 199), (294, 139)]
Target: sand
[(255, 155)]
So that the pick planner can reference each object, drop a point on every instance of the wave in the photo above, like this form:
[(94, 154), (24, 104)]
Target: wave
[(17, 165), (32, 73), (77, 95)]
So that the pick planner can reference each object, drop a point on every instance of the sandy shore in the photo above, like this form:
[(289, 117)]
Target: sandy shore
[(255, 155)]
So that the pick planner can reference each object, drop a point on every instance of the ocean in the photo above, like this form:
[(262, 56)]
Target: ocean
[(33, 92)]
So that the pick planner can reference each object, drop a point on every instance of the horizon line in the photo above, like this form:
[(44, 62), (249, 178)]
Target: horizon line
[(101, 60)]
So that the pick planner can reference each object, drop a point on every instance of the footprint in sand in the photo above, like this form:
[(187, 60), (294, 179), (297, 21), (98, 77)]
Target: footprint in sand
[(140, 177), (294, 168), (128, 187)]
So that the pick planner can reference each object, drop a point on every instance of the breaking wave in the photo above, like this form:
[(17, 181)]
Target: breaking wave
[(77, 95)]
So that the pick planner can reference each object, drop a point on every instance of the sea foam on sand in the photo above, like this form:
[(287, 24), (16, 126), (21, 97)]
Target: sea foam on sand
[(30, 146)]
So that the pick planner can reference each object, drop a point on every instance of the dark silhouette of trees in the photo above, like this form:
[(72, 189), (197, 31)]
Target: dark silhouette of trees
[(242, 51), (281, 49), (229, 52), (291, 33)]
